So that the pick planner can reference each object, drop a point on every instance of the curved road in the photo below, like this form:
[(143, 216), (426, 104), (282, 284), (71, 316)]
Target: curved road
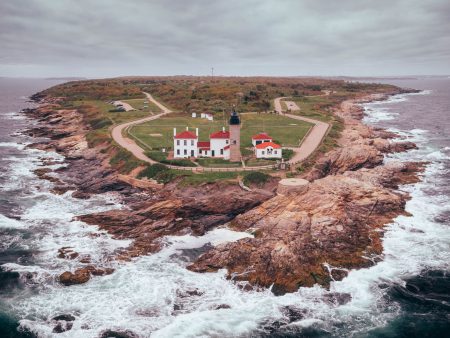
[(313, 139), (128, 143), (309, 144)]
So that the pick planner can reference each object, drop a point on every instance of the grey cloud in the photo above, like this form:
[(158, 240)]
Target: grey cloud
[(254, 37)]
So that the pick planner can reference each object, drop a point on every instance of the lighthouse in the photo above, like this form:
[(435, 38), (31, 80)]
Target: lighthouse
[(235, 137)]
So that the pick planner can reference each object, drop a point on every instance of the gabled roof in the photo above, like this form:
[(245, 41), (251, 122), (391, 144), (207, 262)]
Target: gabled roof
[(262, 136), (204, 145), (220, 134), (268, 144), (186, 135)]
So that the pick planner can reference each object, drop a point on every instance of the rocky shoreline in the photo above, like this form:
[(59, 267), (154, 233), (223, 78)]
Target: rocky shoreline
[(300, 240)]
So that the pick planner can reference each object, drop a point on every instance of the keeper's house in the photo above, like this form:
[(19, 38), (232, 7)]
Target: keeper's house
[(185, 144), (268, 150), (265, 147)]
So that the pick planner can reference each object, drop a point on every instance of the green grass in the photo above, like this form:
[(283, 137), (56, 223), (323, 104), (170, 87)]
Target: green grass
[(152, 170), (193, 179), (124, 161), (159, 133), (256, 178), (254, 162), (139, 105), (217, 162)]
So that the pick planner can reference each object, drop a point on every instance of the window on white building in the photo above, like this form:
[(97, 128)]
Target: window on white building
[(185, 142), (192, 142), (178, 151), (227, 141), (275, 152), (221, 151), (262, 152), (178, 142), (185, 150)]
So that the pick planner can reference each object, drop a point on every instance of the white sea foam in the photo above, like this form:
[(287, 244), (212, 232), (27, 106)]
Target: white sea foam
[(377, 115), (19, 146), (9, 223), (144, 295), (140, 296), (13, 116)]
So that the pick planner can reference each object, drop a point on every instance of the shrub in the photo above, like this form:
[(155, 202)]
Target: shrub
[(158, 156), (256, 178), (179, 162), (124, 161), (287, 154), (152, 170), (100, 123), (117, 110), (165, 176)]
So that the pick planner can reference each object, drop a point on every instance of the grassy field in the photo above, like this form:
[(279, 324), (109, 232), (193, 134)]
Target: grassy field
[(139, 104), (204, 94), (159, 133), (217, 163)]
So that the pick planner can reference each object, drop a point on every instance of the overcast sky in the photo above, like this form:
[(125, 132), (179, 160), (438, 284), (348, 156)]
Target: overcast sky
[(103, 38)]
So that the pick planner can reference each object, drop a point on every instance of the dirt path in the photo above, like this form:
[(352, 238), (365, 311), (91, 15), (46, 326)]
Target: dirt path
[(313, 138), (125, 105), (130, 144)]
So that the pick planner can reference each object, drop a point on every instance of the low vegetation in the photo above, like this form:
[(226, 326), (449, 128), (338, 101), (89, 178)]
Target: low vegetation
[(256, 178), (217, 162), (92, 98), (158, 134)]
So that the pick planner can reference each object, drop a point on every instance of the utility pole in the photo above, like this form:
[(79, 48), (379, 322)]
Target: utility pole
[(212, 73)]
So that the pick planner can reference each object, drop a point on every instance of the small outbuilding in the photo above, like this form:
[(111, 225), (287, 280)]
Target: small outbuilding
[(268, 150)]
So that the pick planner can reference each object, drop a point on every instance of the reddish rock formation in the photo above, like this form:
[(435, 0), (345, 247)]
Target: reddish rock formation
[(190, 209), (82, 275), (336, 222)]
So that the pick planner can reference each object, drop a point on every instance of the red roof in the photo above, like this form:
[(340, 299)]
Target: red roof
[(204, 145), (186, 135), (268, 144), (226, 147), (261, 136), (220, 134)]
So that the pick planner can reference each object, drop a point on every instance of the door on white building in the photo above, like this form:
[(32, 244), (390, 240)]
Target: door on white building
[(192, 153), (213, 153)]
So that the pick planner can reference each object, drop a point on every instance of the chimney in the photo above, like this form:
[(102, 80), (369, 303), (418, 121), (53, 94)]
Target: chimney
[(174, 131), (223, 129), (187, 128), (196, 131)]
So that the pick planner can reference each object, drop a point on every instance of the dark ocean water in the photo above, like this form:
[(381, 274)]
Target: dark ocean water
[(405, 295)]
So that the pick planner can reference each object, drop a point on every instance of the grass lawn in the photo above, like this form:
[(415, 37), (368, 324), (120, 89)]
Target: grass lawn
[(102, 110), (217, 163), (254, 162), (159, 133), (140, 103)]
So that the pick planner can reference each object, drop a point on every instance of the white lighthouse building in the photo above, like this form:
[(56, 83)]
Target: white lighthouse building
[(185, 144)]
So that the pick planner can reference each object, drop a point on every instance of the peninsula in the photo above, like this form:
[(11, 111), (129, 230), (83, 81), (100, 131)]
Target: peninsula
[(117, 135)]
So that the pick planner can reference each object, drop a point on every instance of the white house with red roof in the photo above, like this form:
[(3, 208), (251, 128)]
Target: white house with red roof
[(220, 144), (268, 150), (261, 138), (265, 147), (185, 143)]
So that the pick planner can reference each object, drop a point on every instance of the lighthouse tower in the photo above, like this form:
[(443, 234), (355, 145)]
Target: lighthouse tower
[(235, 137)]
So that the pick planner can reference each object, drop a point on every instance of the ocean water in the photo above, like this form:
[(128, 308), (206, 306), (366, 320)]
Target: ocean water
[(405, 295)]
